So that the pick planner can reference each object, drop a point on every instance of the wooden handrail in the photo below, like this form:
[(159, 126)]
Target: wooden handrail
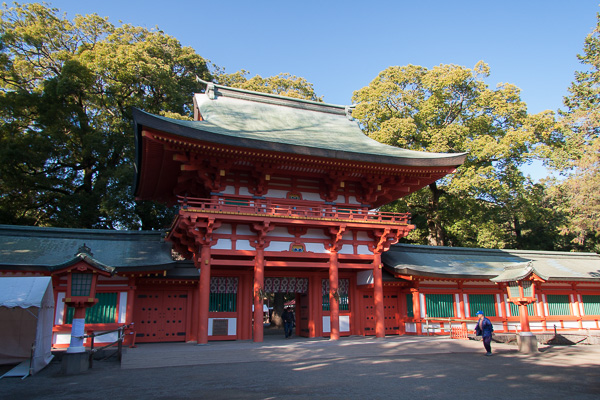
[(290, 208)]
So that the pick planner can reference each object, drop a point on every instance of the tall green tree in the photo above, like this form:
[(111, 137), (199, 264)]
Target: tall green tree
[(66, 93), (449, 108), (578, 195)]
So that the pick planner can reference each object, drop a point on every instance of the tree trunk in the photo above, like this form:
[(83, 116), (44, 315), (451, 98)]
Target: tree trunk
[(278, 304), (437, 234)]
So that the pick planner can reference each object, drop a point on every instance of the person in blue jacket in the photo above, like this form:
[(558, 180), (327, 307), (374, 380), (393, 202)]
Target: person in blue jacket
[(484, 328)]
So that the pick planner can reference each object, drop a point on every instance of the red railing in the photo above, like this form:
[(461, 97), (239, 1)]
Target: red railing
[(291, 209)]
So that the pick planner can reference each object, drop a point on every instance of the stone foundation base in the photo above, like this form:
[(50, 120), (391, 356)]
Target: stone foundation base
[(527, 342), (75, 363)]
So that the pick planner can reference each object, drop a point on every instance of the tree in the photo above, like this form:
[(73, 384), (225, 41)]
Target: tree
[(578, 195), (67, 89), (450, 109)]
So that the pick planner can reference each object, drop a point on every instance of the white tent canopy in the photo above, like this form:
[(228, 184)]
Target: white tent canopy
[(26, 318)]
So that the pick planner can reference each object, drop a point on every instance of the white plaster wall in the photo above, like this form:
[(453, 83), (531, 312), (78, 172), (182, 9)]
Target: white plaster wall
[(346, 249), (231, 327), (314, 247), (243, 245), (352, 200), (61, 338), (497, 327), (507, 306), (535, 325), (244, 192), (500, 312), (410, 327), (223, 244), (122, 307), (571, 324), (279, 246), (422, 304), (363, 250), (244, 230), (589, 324), (362, 235), (344, 323), (280, 231), (279, 194), (315, 234), (311, 196), (229, 190), (225, 229), (59, 309), (466, 303), (457, 302)]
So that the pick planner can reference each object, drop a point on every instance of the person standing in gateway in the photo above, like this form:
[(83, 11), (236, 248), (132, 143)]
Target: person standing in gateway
[(288, 322), (484, 328)]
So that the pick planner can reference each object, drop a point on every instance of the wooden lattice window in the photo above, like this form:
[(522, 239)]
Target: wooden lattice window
[(103, 312), (558, 304), (439, 305), (482, 302), (409, 305), (591, 304), (514, 309)]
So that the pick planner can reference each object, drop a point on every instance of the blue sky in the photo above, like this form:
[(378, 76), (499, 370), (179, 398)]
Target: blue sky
[(340, 46)]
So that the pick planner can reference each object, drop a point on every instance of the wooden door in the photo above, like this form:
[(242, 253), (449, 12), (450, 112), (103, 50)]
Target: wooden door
[(391, 313), (160, 316)]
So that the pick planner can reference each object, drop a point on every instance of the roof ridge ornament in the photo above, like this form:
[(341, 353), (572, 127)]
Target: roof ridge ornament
[(349, 110), (84, 250)]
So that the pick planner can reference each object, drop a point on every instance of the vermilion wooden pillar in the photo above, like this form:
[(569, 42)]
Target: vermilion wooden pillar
[(378, 296), (203, 264), (334, 304), (416, 310), (129, 310), (524, 318), (259, 282)]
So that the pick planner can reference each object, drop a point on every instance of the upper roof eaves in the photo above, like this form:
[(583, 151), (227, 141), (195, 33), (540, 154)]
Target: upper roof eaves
[(240, 118)]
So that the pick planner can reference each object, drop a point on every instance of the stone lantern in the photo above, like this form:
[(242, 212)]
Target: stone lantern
[(520, 279)]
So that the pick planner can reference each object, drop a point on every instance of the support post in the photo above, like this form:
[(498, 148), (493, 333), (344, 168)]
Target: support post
[(334, 304), (77, 331), (129, 339), (259, 282), (378, 296), (203, 264)]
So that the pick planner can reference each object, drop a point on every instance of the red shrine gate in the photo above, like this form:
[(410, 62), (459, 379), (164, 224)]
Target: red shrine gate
[(271, 188)]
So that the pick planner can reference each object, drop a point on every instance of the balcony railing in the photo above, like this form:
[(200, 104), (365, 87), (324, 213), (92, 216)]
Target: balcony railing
[(291, 209)]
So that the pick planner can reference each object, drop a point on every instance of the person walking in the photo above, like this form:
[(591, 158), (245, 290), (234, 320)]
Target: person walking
[(484, 328), (288, 322)]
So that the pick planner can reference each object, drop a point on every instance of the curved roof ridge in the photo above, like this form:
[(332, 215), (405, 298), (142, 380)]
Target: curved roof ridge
[(214, 90)]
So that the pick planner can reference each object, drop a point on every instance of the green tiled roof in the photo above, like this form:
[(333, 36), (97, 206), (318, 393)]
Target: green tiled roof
[(458, 262), (268, 122), (51, 248)]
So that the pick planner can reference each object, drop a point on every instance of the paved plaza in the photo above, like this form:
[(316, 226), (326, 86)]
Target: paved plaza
[(351, 368)]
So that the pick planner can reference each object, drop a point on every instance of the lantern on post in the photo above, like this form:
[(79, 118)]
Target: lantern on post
[(520, 279), (82, 277)]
